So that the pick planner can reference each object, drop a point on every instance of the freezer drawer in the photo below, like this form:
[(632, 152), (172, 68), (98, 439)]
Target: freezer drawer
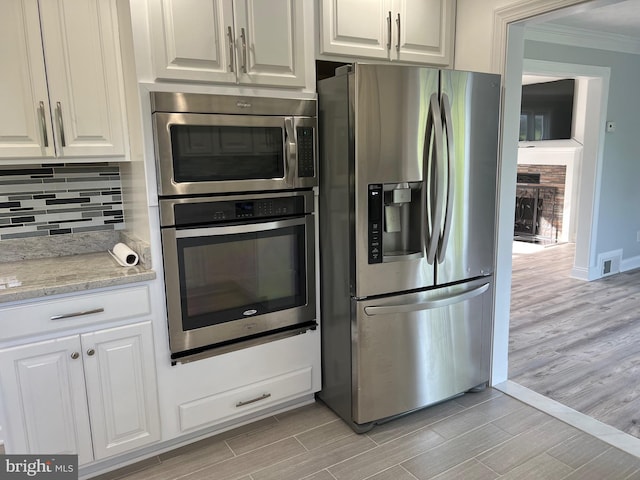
[(414, 350)]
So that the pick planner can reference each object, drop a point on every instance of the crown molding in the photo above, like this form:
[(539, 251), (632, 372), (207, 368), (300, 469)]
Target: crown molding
[(520, 10), (579, 37)]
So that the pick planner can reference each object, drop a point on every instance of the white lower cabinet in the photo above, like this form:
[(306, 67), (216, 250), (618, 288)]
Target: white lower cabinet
[(93, 394)]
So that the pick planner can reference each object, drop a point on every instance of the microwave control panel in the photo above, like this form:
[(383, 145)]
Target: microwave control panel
[(306, 164)]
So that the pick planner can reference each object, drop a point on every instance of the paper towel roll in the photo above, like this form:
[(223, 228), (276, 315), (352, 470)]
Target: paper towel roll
[(124, 255)]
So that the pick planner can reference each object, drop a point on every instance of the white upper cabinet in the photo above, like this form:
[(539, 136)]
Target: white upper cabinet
[(249, 42), (25, 122), (358, 28), (62, 94), (193, 40), (418, 31)]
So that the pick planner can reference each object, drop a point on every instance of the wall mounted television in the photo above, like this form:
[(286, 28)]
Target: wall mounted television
[(546, 111)]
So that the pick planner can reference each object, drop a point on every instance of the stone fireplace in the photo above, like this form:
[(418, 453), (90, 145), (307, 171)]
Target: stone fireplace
[(540, 191)]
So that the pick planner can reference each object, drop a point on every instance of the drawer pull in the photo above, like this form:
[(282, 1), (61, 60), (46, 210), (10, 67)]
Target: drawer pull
[(75, 355), (253, 400), (77, 314)]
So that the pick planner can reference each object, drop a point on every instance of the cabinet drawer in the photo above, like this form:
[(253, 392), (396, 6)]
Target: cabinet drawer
[(249, 398), (72, 312)]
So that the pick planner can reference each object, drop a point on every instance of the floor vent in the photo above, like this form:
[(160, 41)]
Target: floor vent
[(609, 263)]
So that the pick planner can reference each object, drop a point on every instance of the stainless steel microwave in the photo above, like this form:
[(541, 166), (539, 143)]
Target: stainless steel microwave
[(208, 144)]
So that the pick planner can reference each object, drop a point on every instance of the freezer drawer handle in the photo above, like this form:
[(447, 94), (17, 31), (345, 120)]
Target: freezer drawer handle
[(416, 307)]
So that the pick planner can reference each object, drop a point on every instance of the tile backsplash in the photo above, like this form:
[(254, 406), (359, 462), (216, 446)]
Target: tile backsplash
[(58, 199)]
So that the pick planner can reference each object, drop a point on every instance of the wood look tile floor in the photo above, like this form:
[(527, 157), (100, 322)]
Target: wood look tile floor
[(574, 341), (477, 436)]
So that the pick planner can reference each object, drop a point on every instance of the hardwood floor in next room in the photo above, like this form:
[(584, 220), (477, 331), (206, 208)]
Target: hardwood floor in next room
[(577, 342)]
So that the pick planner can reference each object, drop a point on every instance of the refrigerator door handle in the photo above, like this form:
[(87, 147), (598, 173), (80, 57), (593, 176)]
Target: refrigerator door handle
[(444, 301), (448, 127), (431, 168)]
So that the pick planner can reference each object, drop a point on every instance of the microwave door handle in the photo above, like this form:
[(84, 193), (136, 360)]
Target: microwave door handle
[(291, 151), (440, 302), (235, 229), (448, 128)]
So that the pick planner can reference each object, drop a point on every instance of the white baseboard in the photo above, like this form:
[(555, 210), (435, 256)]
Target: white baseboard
[(580, 273), (630, 264), (594, 272)]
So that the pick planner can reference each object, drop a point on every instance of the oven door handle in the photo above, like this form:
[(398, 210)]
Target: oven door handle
[(235, 229)]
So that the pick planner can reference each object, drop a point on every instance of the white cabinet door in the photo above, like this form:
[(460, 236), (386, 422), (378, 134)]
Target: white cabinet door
[(418, 31), (423, 31), (81, 49), (93, 394), (76, 108), (193, 40), (358, 28), (44, 396), (25, 121), (269, 42), (121, 388), (228, 41)]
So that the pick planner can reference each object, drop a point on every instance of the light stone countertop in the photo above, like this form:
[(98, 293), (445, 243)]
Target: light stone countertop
[(42, 277)]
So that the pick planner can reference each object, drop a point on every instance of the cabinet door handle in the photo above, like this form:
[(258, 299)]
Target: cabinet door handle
[(75, 355), (60, 124), (91, 352), (43, 124), (398, 24), (389, 31), (230, 36), (76, 314), (244, 50), (253, 400)]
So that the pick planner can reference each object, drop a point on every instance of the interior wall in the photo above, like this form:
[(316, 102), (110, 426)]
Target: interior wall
[(482, 44), (617, 219), (481, 39)]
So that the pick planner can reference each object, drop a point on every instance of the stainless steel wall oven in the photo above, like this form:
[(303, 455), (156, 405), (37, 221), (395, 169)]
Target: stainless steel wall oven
[(237, 220)]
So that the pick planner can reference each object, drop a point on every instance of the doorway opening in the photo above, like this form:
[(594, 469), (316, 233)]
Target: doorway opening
[(579, 304)]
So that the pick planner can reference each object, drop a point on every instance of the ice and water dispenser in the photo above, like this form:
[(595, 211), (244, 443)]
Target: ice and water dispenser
[(395, 221)]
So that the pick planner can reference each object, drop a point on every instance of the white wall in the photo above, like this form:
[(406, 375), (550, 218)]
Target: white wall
[(481, 45), (481, 29), (615, 215)]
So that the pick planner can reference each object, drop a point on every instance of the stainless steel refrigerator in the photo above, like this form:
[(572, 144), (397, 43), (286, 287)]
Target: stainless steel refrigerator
[(407, 224)]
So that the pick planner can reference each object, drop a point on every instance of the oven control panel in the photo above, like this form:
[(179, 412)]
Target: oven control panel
[(221, 211), (272, 207)]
